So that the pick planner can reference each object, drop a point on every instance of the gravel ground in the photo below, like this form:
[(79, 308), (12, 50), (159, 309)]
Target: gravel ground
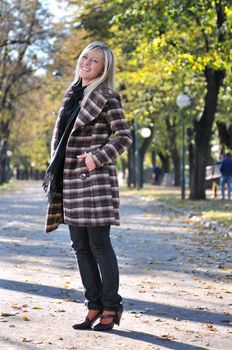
[(174, 278)]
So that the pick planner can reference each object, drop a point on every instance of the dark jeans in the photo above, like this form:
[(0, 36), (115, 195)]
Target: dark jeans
[(98, 266), (226, 180)]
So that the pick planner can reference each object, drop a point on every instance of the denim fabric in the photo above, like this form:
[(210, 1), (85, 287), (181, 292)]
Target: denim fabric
[(98, 266), (226, 180)]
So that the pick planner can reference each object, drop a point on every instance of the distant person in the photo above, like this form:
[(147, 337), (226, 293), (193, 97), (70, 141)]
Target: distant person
[(156, 174), (226, 178)]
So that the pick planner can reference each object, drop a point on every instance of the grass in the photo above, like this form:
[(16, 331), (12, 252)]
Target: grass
[(212, 209), (10, 186)]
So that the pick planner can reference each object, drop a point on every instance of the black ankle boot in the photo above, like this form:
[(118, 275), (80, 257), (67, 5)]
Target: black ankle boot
[(87, 324)]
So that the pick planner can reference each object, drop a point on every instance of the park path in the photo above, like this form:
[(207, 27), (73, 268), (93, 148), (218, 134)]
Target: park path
[(174, 278)]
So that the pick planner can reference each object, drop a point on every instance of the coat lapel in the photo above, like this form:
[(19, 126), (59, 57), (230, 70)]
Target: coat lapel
[(90, 110)]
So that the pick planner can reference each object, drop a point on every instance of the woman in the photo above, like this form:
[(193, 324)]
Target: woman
[(88, 200)]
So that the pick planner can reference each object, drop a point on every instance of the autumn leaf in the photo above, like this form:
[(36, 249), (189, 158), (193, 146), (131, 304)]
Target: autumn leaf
[(15, 306), (223, 267), (210, 327), (26, 340), (7, 314), (25, 318), (58, 301), (168, 337)]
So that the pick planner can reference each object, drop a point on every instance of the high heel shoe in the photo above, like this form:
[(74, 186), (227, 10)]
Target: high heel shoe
[(87, 324), (108, 326)]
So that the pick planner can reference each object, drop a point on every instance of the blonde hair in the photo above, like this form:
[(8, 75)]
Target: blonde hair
[(108, 75)]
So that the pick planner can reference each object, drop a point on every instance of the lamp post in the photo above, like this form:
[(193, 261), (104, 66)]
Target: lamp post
[(183, 101), (33, 170), (137, 155), (145, 133)]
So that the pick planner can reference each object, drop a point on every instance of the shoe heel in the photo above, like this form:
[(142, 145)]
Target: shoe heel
[(118, 316)]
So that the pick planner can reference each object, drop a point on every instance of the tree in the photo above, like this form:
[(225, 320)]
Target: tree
[(196, 35), (24, 47)]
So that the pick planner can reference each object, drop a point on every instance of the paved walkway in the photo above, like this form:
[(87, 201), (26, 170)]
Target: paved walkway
[(174, 280)]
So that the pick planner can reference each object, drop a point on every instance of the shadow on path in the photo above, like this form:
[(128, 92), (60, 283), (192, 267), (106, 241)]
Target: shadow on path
[(140, 336), (149, 338), (156, 309), (40, 289), (13, 345)]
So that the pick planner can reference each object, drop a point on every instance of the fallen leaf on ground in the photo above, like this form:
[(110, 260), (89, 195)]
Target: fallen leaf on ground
[(7, 314), (211, 327), (58, 301), (26, 340), (15, 306), (25, 318), (224, 267), (168, 337)]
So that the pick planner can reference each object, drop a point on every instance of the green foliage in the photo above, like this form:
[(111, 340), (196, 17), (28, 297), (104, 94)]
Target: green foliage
[(171, 44), (25, 47), (162, 49)]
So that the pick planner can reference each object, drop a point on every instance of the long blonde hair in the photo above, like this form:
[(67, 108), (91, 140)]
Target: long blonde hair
[(108, 75)]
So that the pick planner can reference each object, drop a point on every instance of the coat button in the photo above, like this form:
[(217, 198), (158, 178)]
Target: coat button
[(83, 176)]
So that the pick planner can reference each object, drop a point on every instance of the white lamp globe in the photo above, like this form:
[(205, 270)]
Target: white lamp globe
[(183, 100), (145, 132)]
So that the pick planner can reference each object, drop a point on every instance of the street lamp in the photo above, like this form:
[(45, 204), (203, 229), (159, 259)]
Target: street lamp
[(183, 101), (57, 73), (145, 133)]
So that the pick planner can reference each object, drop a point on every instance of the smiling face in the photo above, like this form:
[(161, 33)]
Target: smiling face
[(91, 66)]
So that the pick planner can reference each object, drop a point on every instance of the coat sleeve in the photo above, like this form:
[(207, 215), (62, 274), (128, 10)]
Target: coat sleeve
[(121, 138)]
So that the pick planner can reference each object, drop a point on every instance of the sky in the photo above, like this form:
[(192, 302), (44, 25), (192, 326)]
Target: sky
[(57, 8)]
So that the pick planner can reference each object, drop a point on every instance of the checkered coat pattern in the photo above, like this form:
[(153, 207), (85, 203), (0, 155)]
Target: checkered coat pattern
[(91, 198)]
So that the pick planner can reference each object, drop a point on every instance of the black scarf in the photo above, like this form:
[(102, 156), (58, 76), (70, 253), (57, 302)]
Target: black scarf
[(53, 180)]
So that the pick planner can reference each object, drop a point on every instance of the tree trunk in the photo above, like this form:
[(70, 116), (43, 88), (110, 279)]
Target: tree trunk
[(131, 164), (225, 134), (171, 129), (203, 132), (3, 161), (153, 157), (190, 135), (176, 166), (165, 162)]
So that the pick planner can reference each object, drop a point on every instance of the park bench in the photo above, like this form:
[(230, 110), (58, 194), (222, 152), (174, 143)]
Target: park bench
[(212, 176)]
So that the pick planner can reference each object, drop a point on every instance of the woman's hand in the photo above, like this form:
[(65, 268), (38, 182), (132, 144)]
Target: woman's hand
[(88, 160)]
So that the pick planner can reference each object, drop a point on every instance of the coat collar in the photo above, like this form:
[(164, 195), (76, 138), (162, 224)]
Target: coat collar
[(93, 106)]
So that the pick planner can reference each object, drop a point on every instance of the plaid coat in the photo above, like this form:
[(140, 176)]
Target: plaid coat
[(91, 198)]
